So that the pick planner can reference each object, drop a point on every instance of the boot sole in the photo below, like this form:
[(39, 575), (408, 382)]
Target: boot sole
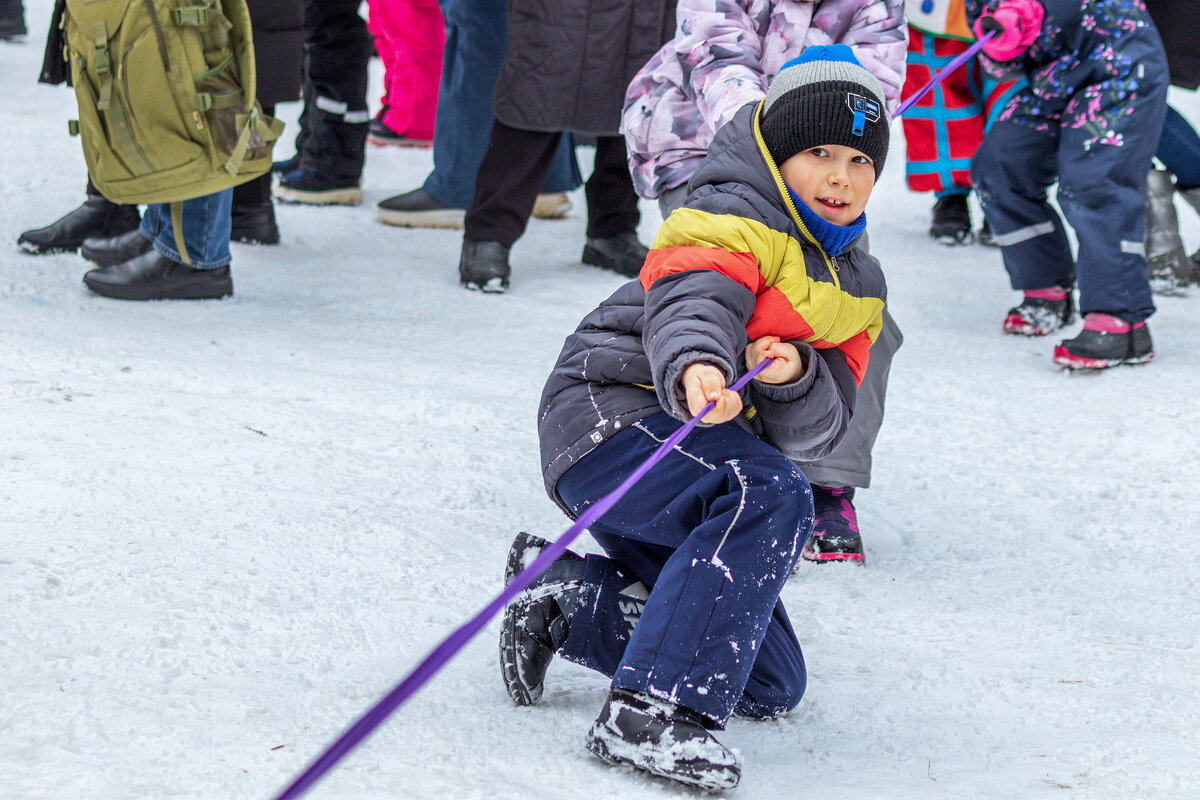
[(451, 218), (45, 250), (415, 144), (712, 783), (186, 293), (329, 197), (1065, 359), (509, 673)]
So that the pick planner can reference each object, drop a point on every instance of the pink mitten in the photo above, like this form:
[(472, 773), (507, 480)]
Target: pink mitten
[(1016, 23)]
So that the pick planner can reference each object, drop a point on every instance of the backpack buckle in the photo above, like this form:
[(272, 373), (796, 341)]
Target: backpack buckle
[(191, 16)]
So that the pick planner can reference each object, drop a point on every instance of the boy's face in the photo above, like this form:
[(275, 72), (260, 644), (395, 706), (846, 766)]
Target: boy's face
[(833, 180)]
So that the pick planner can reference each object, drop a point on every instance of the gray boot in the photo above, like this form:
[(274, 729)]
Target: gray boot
[(1170, 268), (1193, 197)]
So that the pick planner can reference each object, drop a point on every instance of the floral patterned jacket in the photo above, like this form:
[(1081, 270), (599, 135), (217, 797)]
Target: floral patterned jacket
[(723, 55), (1092, 61)]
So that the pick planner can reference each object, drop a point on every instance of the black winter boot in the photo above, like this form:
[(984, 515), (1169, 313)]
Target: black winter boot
[(253, 214), (666, 740), (115, 249), (1170, 267), (1038, 316), (537, 621), (484, 266), (97, 217), (622, 253), (951, 220), (152, 276), (1105, 341)]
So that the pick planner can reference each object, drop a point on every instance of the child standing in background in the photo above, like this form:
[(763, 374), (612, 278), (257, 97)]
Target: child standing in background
[(1090, 118)]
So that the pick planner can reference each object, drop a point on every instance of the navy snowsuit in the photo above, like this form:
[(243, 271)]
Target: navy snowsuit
[(685, 607), (1090, 118)]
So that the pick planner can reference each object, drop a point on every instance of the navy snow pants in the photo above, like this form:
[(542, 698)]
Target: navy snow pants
[(1100, 188), (686, 605)]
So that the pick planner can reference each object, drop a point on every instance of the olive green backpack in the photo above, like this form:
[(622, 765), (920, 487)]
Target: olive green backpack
[(167, 108)]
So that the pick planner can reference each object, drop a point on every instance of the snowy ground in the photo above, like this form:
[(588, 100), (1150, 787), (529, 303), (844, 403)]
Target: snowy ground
[(227, 528)]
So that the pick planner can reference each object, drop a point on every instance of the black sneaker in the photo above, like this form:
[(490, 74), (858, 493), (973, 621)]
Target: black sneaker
[(12, 28), (537, 621), (951, 220), (97, 217), (483, 266), (113, 250), (152, 276), (417, 209), (666, 740), (622, 253), (1038, 316), (299, 186), (1102, 343), (835, 535)]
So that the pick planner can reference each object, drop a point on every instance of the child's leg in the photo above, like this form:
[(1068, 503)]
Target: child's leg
[(945, 126), (410, 36), (1102, 173), (1179, 150), (1011, 171), (715, 529)]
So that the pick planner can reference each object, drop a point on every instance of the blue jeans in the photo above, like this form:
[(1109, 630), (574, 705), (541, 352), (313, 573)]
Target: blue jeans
[(206, 226), (686, 605), (476, 38), (1179, 150)]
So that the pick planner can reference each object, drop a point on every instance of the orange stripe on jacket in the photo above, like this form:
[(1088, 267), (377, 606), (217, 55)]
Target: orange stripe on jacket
[(741, 267)]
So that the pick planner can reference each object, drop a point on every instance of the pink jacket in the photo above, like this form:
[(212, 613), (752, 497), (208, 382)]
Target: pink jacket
[(722, 57)]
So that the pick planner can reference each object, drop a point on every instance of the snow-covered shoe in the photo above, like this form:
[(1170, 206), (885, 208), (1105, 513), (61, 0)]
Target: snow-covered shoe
[(951, 220), (537, 621), (1170, 267), (666, 740), (835, 535), (1106, 341), (484, 266), (1042, 311)]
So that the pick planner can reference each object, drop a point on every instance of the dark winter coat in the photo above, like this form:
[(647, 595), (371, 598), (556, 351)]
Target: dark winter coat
[(733, 265), (278, 48), (569, 62), (1178, 23)]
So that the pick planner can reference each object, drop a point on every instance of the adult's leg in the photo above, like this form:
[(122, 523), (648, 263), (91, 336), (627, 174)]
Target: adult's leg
[(1179, 150), (513, 168), (712, 534), (337, 50), (205, 230), (612, 203), (476, 38)]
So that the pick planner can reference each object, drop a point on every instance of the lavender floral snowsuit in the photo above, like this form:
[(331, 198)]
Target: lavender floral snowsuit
[(722, 56)]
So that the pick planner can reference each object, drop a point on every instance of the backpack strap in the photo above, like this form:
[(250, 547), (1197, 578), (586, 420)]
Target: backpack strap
[(103, 66), (177, 228)]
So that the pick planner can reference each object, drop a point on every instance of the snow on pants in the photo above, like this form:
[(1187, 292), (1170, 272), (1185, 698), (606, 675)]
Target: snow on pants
[(944, 128), (409, 35), (1100, 183), (476, 38), (333, 126), (686, 605)]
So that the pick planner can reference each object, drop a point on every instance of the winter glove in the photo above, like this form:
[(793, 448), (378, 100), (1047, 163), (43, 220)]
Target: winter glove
[(1016, 23)]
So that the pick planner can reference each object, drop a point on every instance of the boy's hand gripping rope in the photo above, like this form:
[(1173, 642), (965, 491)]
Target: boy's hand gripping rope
[(449, 647)]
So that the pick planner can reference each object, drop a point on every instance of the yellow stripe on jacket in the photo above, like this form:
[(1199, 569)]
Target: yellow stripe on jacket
[(789, 302)]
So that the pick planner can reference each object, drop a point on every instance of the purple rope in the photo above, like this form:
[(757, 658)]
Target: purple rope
[(449, 647), (954, 64)]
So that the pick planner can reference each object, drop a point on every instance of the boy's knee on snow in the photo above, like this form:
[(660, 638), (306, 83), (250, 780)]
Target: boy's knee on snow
[(763, 701)]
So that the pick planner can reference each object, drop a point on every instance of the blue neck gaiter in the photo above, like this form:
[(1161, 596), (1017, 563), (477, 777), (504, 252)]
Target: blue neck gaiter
[(834, 238)]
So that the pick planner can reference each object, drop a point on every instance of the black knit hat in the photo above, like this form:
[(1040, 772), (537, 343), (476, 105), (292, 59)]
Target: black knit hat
[(825, 96)]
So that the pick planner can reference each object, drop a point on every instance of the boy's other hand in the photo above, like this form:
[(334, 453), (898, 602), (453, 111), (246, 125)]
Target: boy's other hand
[(786, 366), (704, 383)]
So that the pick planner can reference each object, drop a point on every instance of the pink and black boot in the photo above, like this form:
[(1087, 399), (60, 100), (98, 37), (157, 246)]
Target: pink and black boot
[(1041, 311), (1105, 341), (835, 535)]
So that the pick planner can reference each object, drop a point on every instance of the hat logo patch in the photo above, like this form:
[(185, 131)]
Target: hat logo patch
[(865, 110)]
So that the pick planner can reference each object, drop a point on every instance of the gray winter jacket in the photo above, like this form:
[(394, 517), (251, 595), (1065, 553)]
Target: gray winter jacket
[(624, 361)]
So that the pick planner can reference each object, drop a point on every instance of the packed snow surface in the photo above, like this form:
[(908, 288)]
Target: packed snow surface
[(227, 528)]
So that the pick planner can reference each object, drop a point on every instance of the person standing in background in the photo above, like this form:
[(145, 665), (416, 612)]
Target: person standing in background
[(409, 37)]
